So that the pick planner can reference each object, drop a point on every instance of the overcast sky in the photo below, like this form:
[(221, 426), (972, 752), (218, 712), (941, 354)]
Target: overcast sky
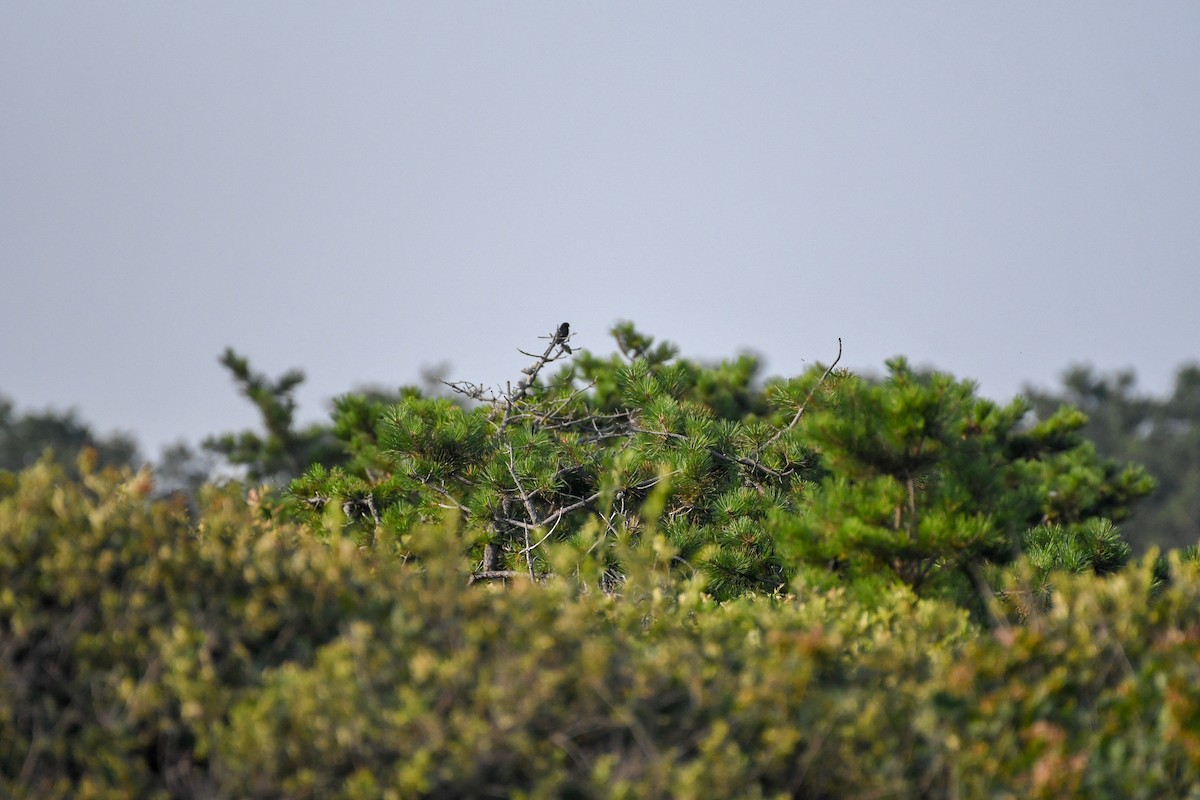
[(361, 189)]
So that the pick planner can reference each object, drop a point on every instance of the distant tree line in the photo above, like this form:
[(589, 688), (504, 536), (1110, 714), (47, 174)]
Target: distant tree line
[(25, 438), (1160, 433)]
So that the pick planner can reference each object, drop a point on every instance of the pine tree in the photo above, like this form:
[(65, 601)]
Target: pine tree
[(913, 480), (927, 484), (281, 452), (574, 457), (26, 437)]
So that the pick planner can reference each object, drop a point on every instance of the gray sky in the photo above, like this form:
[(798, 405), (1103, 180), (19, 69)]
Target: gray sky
[(360, 189)]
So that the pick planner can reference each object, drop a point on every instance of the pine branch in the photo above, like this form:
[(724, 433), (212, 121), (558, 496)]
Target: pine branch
[(427, 481), (550, 517), (716, 453)]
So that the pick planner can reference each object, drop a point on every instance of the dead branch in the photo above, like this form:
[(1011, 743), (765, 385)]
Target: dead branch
[(714, 452), (804, 405), (557, 349), (512, 470), (494, 575)]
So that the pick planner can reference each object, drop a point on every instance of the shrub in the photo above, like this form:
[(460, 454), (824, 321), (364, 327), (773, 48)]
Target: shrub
[(245, 657), (126, 634)]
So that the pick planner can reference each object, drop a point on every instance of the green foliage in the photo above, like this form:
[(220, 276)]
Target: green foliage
[(540, 463), (1095, 697), (281, 452), (824, 476), (24, 438), (925, 482), (1163, 433), (245, 658), (1095, 546), (639, 576), (1051, 550), (126, 634)]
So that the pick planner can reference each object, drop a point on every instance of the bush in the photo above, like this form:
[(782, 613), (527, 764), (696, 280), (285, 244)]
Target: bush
[(127, 635), (246, 658), (1097, 697)]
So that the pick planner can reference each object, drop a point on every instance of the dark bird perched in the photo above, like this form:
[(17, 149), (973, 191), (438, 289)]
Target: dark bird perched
[(561, 335)]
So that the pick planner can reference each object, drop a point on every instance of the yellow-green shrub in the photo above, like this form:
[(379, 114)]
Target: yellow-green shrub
[(125, 635), (140, 656), (1098, 697)]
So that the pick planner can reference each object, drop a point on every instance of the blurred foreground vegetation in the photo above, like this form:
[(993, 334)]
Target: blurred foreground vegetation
[(243, 657)]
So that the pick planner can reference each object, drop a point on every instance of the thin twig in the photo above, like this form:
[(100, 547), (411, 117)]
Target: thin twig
[(804, 405), (512, 470), (745, 462), (444, 492), (538, 543), (552, 414), (554, 516)]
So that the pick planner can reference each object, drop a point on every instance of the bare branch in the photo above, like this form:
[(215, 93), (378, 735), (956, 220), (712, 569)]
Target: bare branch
[(512, 470), (714, 452), (554, 516), (557, 349), (495, 574), (427, 481), (566, 402), (539, 542), (473, 390), (804, 405)]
